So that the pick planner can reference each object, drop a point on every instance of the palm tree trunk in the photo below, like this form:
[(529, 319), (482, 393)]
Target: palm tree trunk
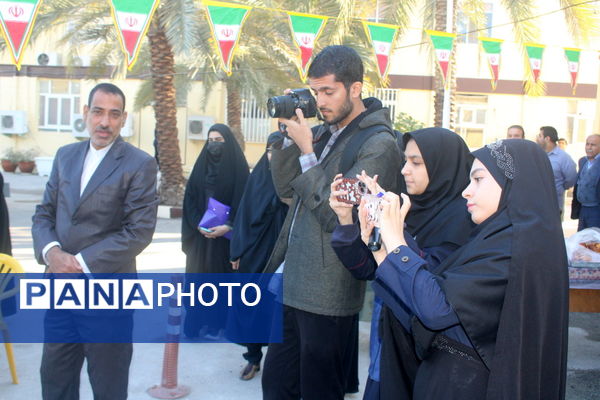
[(234, 111), (438, 102), (165, 111)]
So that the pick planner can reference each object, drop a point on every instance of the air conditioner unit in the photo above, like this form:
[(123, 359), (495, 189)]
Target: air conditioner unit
[(198, 127), (127, 130), (47, 59), (13, 122), (81, 61), (78, 126)]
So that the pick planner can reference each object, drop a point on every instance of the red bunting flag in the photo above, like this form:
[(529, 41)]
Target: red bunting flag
[(132, 19), (306, 29), (226, 22), (382, 38), (17, 18), (442, 43)]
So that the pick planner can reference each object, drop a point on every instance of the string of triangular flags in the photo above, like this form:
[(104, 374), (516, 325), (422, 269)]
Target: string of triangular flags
[(132, 19), (442, 43)]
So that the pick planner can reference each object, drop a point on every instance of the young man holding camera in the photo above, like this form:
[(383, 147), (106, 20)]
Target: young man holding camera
[(320, 297)]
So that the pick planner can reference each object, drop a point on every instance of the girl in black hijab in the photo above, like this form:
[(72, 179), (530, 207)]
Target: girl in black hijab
[(257, 224), (436, 171), (220, 172), (498, 307)]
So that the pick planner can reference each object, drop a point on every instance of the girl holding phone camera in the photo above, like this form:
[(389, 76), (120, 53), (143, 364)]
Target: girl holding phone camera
[(494, 315), (436, 171)]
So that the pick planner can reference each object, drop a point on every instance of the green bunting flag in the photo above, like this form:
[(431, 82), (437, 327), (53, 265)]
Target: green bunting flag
[(573, 61), (306, 29), (132, 19), (382, 37), (226, 22), (492, 49), (17, 18), (442, 43), (534, 52)]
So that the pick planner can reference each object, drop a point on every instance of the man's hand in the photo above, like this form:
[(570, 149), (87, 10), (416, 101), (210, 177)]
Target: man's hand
[(299, 131), (235, 265), (60, 261)]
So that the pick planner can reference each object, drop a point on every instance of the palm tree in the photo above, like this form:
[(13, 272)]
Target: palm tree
[(263, 63), (165, 111), (90, 24)]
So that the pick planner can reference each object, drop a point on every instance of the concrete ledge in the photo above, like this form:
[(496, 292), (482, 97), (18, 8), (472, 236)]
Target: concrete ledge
[(169, 212)]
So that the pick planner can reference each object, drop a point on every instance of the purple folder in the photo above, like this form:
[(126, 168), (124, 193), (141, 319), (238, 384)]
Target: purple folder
[(216, 214)]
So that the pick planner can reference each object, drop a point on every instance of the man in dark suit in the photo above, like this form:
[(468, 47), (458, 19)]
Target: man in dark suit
[(586, 195), (97, 215)]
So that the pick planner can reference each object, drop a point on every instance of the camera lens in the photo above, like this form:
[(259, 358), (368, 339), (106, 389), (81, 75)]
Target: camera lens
[(362, 188), (281, 106), (272, 107)]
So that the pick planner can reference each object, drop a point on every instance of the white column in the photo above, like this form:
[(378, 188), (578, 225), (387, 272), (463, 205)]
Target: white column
[(447, 89)]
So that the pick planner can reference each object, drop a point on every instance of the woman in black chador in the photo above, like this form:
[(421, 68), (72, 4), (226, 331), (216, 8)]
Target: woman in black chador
[(257, 224), (493, 318), (220, 172), (436, 172)]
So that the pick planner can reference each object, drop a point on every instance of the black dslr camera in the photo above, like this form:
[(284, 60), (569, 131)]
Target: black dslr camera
[(285, 106)]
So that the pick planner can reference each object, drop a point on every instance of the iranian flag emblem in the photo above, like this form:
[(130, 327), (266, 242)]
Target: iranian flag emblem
[(16, 19), (226, 22), (132, 19), (306, 29), (382, 37), (534, 53), (572, 56), (442, 44), (492, 48)]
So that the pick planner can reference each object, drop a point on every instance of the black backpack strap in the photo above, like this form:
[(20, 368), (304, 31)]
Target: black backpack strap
[(353, 146)]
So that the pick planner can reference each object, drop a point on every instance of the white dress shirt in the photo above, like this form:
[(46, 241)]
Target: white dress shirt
[(92, 161)]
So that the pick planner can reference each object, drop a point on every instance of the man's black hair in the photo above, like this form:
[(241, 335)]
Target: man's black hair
[(517, 127), (550, 131), (341, 61), (106, 88)]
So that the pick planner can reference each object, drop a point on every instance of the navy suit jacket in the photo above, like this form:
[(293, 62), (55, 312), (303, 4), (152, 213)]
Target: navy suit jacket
[(114, 218), (576, 205)]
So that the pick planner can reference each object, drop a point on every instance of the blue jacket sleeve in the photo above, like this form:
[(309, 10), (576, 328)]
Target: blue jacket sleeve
[(404, 283), (352, 252)]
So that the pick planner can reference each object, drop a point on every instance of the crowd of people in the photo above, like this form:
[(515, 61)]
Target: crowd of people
[(469, 275)]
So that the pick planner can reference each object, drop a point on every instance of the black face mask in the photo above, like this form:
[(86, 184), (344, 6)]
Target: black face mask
[(215, 148)]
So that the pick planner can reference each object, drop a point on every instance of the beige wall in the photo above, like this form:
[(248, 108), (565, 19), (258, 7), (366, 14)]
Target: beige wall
[(22, 93)]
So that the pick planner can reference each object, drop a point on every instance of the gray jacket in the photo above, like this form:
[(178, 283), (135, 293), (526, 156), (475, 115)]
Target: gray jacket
[(314, 278), (112, 221)]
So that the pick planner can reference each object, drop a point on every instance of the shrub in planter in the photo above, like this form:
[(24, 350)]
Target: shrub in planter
[(24, 159), (26, 166), (26, 162), (10, 158)]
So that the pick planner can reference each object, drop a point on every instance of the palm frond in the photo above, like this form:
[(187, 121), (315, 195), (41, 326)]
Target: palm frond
[(525, 30), (183, 24), (583, 20), (475, 11)]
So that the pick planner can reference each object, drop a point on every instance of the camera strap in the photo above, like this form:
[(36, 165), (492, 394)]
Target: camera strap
[(355, 143)]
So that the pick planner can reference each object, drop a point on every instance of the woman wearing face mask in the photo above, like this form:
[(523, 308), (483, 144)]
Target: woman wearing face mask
[(497, 308), (436, 171), (220, 172)]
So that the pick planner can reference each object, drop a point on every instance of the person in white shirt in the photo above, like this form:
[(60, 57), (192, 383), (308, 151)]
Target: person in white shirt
[(98, 213)]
